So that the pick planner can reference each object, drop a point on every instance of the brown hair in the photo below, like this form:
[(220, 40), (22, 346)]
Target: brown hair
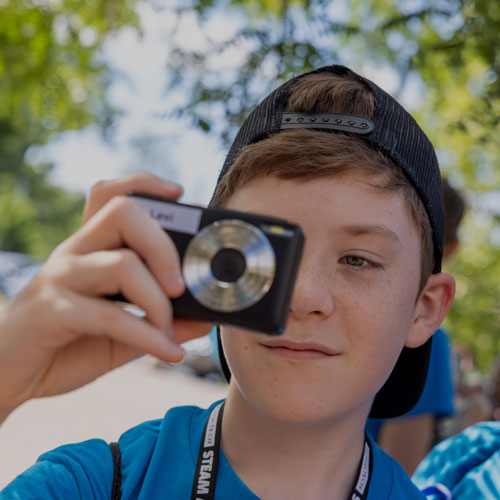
[(307, 154)]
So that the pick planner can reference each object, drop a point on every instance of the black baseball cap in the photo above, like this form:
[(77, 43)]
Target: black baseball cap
[(393, 131)]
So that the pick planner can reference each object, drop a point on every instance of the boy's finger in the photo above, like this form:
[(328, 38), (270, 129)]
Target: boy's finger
[(143, 182), (122, 223), (122, 271), (97, 317)]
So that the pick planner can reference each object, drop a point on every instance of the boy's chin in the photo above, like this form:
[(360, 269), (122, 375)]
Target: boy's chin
[(306, 413)]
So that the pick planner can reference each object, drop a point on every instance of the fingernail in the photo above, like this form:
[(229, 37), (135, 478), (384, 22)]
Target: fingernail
[(182, 360), (173, 185)]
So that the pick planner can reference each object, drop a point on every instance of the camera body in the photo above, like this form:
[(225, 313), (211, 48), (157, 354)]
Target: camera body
[(239, 268)]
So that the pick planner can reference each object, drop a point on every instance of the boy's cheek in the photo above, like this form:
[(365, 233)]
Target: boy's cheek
[(235, 341)]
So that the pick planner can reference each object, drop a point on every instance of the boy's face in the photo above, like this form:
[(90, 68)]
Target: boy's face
[(353, 304)]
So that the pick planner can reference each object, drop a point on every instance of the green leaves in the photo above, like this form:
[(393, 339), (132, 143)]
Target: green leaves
[(51, 79), (36, 216)]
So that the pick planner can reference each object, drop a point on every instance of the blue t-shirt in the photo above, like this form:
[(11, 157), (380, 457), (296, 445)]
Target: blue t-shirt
[(158, 461), (437, 396)]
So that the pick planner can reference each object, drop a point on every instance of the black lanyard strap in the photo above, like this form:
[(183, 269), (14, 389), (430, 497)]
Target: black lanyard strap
[(205, 476), (208, 457), (360, 487)]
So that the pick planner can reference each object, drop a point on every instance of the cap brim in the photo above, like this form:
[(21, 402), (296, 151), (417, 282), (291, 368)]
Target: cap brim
[(404, 387)]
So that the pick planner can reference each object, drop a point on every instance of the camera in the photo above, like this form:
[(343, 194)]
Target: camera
[(239, 268)]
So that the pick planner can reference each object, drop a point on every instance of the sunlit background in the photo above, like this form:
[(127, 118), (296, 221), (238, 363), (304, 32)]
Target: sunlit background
[(96, 89), (145, 137)]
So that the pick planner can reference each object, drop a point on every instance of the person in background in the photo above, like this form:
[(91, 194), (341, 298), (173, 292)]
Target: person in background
[(473, 398), (463, 467), (408, 439)]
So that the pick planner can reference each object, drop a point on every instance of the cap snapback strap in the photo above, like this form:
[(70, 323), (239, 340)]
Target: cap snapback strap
[(332, 121)]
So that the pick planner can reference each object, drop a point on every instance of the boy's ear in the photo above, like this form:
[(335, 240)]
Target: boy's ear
[(432, 305)]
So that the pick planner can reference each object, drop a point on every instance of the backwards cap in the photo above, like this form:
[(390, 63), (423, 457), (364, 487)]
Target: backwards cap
[(393, 131)]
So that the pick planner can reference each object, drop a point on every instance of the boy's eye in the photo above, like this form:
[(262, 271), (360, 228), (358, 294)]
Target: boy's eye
[(355, 261)]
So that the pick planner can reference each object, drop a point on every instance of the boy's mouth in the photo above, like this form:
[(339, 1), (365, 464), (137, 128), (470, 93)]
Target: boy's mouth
[(299, 350)]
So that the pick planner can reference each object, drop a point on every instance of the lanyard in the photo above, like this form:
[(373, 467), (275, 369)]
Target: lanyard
[(208, 462)]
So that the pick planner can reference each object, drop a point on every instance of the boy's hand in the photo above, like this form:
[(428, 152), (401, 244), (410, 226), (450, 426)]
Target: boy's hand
[(61, 333)]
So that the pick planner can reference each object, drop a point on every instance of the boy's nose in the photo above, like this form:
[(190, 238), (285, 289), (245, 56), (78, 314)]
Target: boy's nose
[(313, 291)]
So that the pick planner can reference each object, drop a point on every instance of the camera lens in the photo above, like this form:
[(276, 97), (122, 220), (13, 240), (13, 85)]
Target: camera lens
[(228, 265)]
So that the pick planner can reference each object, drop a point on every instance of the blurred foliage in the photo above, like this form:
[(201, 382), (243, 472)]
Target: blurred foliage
[(52, 78), (36, 215), (448, 51)]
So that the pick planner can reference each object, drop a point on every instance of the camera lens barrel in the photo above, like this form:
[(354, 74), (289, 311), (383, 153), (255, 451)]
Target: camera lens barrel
[(228, 265)]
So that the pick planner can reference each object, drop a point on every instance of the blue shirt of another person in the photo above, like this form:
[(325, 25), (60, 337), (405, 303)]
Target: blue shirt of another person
[(437, 396)]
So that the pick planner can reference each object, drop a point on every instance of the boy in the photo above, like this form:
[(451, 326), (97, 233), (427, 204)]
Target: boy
[(365, 188)]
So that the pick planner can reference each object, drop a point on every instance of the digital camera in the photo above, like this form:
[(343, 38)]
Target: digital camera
[(239, 268)]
